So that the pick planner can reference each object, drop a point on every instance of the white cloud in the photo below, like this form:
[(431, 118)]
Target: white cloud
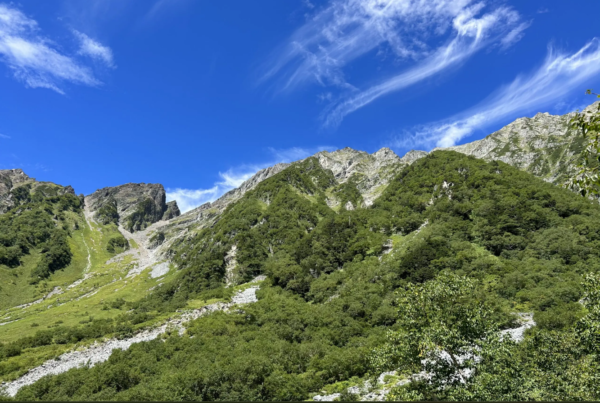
[(94, 49), (472, 34), (559, 75), (4, 136), (32, 58), (437, 34), (188, 199)]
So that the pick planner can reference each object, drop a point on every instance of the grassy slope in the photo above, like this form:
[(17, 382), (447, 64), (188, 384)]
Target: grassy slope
[(107, 283)]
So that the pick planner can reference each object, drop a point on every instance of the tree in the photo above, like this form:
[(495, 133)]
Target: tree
[(589, 326), (443, 328), (587, 180)]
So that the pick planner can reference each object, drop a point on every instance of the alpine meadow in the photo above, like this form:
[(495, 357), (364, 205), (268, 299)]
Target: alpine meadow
[(449, 265)]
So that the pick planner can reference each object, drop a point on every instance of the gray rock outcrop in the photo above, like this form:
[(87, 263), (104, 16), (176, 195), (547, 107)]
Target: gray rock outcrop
[(137, 205), (413, 155), (172, 210), (370, 172)]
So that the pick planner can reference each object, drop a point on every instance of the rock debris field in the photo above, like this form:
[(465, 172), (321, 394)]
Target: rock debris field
[(100, 352)]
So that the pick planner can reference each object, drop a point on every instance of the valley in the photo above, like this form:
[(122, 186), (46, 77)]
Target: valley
[(288, 287)]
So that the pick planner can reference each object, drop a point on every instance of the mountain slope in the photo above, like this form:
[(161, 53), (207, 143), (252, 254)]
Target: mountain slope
[(544, 145), (332, 275), (334, 234), (16, 186)]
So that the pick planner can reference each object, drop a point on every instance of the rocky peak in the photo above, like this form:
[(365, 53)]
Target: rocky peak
[(412, 156), (370, 172), (133, 205), (10, 179), (14, 176), (387, 155), (342, 163), (346, 162)]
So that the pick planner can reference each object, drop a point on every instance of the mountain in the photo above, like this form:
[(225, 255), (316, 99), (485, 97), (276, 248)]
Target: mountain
[(283, 288), (544, 145), (15, 184), (134, 205)]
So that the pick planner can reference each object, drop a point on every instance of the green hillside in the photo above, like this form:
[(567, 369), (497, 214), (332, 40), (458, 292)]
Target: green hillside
[(333, 281)]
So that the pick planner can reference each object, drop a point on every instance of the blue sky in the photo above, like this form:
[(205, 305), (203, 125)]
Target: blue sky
[(198, 95)]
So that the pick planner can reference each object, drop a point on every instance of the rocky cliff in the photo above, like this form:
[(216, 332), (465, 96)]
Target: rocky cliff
[(16, 186), (134, 205)]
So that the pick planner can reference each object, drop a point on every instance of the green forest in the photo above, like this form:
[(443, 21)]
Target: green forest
[(442, 261)]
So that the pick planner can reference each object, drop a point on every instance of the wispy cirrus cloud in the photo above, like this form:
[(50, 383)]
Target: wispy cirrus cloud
[(433, 35), (94, 49), (188, 199), (4, 136), (34, 59), (560, 74)]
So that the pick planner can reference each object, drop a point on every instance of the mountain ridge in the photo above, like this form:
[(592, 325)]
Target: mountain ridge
[(315, 249)]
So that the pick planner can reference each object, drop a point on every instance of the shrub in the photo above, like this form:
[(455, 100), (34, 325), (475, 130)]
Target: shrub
[(117, 243)]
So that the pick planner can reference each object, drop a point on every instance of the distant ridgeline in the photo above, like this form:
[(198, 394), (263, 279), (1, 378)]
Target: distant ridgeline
[(337, 236)]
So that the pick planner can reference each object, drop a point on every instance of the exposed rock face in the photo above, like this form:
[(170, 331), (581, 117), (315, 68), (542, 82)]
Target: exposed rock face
[(413, 155), (172, 211), (137, 204), (11, 179), (371, 172), (544, 145)]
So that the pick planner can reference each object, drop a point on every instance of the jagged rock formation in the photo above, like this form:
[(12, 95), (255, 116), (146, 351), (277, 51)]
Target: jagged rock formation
[(544, 145), (134, 205), (172, 210), (413, 155), (370, 172), (12, 179)]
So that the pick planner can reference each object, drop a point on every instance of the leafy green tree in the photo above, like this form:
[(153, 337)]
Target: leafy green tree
[(443, 328), (549, 365), (587, 180), (589, 326)]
